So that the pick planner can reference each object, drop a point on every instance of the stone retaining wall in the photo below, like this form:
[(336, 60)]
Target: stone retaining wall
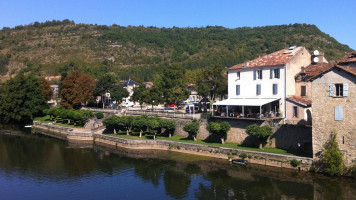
[(269, 159)]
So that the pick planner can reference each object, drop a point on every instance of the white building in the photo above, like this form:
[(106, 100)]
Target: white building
[(261, 86)]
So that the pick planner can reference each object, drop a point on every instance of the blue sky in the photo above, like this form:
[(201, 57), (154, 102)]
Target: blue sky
[(334, 17)]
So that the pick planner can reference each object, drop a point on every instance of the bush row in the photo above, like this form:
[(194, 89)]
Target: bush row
[(143, 123), (74, 116)]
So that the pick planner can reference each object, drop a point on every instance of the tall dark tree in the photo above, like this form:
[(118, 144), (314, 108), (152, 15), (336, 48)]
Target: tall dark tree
[(47, 92), (172, 85), (153, 96), (77, 89), (21, 99)]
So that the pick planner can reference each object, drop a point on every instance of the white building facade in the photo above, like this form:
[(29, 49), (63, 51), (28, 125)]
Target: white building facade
[(259, 88)]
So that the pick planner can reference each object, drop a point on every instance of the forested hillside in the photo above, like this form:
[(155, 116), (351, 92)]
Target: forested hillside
[(53, 47)]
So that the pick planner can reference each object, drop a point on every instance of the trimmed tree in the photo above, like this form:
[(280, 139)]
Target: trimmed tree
[(260, 133), (140, 123), (168, 125), (153, 127), (111, 123), (332, 160), (126, 123), (192, 129), (219, 129)]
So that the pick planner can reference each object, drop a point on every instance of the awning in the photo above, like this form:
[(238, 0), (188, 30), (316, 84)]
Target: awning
[(244, 102)]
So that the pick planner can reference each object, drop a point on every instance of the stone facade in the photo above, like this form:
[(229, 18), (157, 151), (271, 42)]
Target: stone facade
[(324, 122)]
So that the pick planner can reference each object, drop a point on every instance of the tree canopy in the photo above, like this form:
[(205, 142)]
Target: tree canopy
[(21, 99), (77, 89)]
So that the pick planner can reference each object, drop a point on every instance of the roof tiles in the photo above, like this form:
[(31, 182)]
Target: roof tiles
[(281, 57), (350, 57)]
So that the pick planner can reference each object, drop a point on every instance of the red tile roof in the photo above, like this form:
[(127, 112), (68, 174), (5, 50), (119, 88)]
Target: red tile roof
[(281, 57), (351, 70), (313, 70), (350, 57), (300, 100)]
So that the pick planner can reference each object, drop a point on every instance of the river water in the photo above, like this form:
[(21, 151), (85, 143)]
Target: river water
[(37, 167)]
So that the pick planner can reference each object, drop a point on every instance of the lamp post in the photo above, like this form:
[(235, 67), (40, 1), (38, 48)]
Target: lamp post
[(152, 105)]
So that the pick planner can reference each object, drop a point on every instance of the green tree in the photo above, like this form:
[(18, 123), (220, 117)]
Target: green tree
[(125, 123), (172, 85), (260, 133), (192, 129), (140, 123), (110, 83), (111, 123), (153, 126), (219, 129), (212, 82), (21, 99), (332, 160), (153, 96), (168, 125), (138, 94)]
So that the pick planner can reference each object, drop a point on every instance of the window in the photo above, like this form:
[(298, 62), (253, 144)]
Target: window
[(303, 90), (276, 73), (339, 90), (258, 89), (237, 89), (275, 89), (295, 111), (238, 75), (338, 113), (258, 74)]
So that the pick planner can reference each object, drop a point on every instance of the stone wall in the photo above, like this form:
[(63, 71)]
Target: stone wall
[(269, 159), (324, 122)]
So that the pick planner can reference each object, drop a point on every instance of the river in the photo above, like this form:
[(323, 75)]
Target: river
[(38, 167)]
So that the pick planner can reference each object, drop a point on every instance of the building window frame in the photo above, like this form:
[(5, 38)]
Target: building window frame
[(238, 75), (295, 111), (275, 88), (238, 90), (303, 91), (258, 89)]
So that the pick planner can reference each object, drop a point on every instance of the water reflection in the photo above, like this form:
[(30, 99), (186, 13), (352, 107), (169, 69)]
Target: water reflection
[(33, 167)]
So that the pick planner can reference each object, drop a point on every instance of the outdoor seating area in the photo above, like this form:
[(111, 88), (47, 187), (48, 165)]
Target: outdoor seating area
[(257, 112)]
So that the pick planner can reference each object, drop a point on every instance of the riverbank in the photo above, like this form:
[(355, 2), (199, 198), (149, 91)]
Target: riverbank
[(82, 136)]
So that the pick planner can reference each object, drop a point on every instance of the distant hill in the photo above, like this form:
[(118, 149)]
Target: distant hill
[(53, 47)]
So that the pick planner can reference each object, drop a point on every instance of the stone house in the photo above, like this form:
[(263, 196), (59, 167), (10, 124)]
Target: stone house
[(334, 110), (299, 106)]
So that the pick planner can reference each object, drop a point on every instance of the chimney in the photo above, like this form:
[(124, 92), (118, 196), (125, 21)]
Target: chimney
[(303, 69)]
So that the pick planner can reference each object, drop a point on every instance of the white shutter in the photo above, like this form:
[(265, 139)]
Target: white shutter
[(331, 90), (345, 89)]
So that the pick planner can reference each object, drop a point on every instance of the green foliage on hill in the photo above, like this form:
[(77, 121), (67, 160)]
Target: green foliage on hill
[(54, 47)]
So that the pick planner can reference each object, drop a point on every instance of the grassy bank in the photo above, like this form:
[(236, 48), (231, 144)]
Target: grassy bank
[(135, 136)]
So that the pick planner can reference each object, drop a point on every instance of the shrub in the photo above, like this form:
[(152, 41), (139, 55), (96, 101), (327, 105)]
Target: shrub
[(219, 129), (99, 115), (295, 162), (260, 133), (169, 125), (353, 170), (192, 129), (331, 159), (243, 155)]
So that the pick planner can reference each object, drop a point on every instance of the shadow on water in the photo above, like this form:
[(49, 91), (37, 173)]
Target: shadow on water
[(140, 174)]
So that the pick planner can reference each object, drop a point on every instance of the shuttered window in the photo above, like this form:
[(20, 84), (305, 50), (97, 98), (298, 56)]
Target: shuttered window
[(276, 73), (275, 89), (238, 75), (258, 89), (271, 73), (345, 89), (338, 113), (237, 89), (303, 90), (254, 74), (331, 90)]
